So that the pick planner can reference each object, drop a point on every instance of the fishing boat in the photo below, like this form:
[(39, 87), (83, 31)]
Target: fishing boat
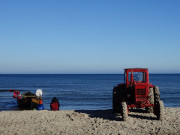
[(29, 101)]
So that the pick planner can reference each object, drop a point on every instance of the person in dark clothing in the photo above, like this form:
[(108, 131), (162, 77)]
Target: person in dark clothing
[(54, 104)]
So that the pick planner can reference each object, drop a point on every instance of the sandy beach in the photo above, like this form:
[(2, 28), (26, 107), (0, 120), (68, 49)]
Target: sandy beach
[(87, 122)]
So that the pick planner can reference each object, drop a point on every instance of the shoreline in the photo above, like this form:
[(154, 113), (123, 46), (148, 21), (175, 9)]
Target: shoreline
[(88, 122)]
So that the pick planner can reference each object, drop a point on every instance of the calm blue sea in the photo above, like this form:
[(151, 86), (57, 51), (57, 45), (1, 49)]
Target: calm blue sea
[(80, 91)]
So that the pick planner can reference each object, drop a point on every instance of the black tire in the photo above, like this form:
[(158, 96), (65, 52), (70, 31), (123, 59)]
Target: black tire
[(118, 97), (150, 109), (160, 110), (156, 94), (115, 99), (124, 111)]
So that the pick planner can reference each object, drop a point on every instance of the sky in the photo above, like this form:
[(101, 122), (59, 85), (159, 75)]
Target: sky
[(89, 36)]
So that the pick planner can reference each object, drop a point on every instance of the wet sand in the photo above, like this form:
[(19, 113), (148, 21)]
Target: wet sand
[(87, 122)]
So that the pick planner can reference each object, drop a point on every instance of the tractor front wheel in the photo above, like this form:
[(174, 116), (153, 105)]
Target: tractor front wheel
[(124, 111), (151, 100)]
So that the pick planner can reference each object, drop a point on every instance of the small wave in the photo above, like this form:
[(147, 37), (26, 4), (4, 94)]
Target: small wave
[(8, 90)]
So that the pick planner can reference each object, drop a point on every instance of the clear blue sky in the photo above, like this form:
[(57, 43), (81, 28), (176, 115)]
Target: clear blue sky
[(89, 36)]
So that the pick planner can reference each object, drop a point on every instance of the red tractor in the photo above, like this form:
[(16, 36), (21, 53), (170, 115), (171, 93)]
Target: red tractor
[(137, 92)]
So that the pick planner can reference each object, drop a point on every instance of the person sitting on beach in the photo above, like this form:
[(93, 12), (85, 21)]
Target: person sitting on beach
[(54, 104)]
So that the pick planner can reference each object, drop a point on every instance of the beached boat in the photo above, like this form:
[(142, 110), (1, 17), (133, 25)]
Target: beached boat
[(29, 100)]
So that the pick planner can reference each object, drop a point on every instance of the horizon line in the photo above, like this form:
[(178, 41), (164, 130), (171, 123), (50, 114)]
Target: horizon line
[(71, 73)]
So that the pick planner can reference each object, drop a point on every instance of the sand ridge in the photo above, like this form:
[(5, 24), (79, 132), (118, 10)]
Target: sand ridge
[(87, 122)]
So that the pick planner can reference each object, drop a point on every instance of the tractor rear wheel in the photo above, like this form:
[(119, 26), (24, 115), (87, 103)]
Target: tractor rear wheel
[(150, 109), (124, 111), (160, 110), (156, 94), (115, 99), (118, 97)]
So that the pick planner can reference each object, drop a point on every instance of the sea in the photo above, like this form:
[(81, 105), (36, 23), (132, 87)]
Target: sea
[(80, 91)]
